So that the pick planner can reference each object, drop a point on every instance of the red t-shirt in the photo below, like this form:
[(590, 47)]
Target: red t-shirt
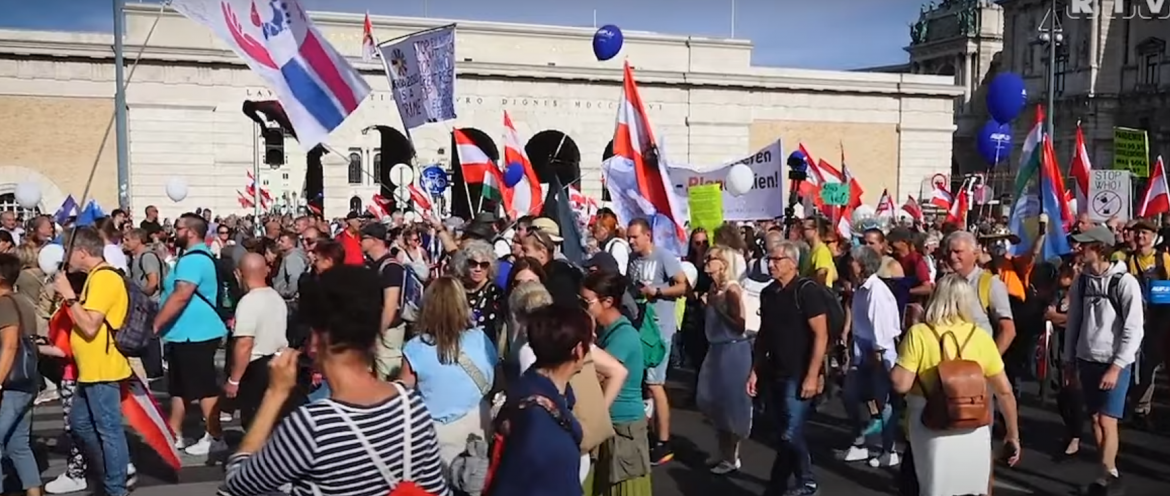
[(352, 243), (914, 265)]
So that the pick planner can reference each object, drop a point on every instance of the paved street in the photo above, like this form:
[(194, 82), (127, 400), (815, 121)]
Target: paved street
[(1145, 460)]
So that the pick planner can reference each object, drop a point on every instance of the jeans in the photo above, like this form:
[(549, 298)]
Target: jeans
[(792, 455), (865, 382), (16, 427), (96, 420)]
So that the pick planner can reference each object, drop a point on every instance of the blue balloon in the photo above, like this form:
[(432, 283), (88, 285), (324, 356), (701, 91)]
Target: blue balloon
[(798, 161), (607, 42), (994, 142), (513, 174), (1006, 97)]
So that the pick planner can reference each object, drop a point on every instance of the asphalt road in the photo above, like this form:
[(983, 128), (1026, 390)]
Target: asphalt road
[(1144, 461)]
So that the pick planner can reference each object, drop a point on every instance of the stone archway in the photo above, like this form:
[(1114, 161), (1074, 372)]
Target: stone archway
[(460, 197), (51, 194), (554, 152), (355, 204), (395, 149)]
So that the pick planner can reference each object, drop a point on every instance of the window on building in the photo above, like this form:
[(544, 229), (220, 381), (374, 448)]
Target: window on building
[(284, 176), (377, 167), (8, 203), (355, 167), (1151, 66), (1059, 73)]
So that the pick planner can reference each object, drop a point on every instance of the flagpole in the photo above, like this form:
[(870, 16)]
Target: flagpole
[(123, 147), (256, 173)]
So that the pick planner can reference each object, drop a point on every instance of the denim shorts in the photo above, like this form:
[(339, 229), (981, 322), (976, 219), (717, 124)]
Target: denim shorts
[(1110, 403)]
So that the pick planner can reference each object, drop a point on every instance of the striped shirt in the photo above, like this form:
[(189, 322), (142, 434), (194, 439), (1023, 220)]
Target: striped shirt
[(315, 447)]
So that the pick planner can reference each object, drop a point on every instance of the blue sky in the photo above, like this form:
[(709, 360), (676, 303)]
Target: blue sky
[(814, 34)]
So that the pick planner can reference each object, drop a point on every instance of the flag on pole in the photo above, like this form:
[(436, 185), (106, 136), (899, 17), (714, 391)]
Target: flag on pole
[(855, 189), (525, 197), (941, 198), (885, 206), (478, 167), (369, 43), (636, 173), (1156, 199), (421, 70), (315, 84), (556, 206), (959, 207), (1040, 189), (1081, 168), (68, 209), (420, 199), (911, 207)]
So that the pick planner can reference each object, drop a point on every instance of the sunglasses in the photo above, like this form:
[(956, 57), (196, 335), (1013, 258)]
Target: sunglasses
[(479, 265), (224, 232)]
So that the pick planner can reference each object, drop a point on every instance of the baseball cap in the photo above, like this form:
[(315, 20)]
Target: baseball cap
[(603, 262), (549, 227), (353, 214), (1096, 234), (375, 230)]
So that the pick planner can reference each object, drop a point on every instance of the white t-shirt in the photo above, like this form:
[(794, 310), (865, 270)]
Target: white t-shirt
[(116, 258), (263, 315)]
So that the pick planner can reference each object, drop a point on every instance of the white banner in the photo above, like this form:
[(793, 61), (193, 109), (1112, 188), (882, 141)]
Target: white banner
[(1109, 195), (421, 69), (766, 198)]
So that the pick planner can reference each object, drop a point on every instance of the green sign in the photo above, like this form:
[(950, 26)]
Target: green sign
[(835, 194), (1131, 151)]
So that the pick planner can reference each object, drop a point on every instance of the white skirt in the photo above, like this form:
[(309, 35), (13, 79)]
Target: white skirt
[(950, 462)]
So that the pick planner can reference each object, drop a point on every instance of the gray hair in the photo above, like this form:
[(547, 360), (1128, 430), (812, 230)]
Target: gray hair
[(961, 236), (868, 259), (951, 302), (86, 240), (473, 250), (526, 298), (773, 239), (788, 249)]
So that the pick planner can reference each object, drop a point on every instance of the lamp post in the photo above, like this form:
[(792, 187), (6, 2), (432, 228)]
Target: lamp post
[(1051, 35)]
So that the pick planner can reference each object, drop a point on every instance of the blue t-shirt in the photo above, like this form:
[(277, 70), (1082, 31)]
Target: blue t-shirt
[(199, 320), (504, 273), (447, 390), (540, 457)]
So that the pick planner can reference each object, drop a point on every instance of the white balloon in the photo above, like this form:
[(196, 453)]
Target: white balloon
[(177, 189), (50, 257), (28, 195), (740, 179)]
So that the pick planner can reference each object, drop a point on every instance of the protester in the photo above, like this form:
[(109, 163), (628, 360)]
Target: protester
[(391, 273), (18, 325), (475, 266), (261, 330)]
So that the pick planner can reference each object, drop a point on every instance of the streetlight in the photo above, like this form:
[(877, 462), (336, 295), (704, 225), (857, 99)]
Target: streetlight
[(1051, 35)]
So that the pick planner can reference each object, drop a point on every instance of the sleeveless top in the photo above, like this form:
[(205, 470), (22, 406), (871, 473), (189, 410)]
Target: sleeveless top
[(717, 329)]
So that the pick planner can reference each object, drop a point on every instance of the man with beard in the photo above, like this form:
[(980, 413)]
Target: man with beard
[(192, 329)]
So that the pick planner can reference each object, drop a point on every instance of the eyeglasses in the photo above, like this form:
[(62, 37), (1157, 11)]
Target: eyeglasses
[(778, 259), (224, 232), (476, 264)]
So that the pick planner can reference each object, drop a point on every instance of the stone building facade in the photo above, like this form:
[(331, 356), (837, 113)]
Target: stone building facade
[(707, 102)]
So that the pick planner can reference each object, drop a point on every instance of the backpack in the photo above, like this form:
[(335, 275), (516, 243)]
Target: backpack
[(227, 286), (1147, 277), (163, 268), (1112, 291), (411, 295), (136, 335), (653, 347), (961, 400), (984, 292), (503, 428), (835, 313)]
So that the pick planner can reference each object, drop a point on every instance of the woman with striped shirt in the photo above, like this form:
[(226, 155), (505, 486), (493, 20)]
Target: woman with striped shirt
[(368, 438)]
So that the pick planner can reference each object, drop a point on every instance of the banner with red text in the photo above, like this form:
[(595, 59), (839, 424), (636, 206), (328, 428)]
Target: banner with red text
[(766, 198)]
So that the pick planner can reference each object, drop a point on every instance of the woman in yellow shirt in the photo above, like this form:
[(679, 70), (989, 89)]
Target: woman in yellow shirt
[(955, 461)]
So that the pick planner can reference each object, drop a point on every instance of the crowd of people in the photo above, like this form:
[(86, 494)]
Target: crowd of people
[(447, 357)]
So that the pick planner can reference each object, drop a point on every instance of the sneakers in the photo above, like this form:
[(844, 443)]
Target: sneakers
[(225, 417), (660, 453), (47, 396), (804, 490), (856, 454), (64, 484), (885, 460), (1107, 486), (725, 467), (206, 445)]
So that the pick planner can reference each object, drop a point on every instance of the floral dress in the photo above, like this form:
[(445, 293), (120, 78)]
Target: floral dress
[(487, 309)]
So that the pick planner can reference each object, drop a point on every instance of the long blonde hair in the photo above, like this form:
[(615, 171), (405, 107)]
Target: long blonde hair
[(725, 254), (951, 302), (444, 317)]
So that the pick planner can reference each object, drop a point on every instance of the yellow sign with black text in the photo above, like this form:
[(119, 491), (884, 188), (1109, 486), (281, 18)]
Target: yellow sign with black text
[(1131, 151)]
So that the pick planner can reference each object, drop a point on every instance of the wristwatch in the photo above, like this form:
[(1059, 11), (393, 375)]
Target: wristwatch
[(71, 301), (658, 293)]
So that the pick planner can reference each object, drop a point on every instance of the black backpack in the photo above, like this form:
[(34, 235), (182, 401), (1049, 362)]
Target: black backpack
[(228, 291), (835, 313), (136, 335)]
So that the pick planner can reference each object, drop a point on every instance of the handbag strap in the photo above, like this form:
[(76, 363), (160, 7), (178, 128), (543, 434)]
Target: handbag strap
[(473, 371), (407, 439), (19, 315)]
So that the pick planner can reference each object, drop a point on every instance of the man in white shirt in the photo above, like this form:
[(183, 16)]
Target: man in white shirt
[(8, 223), (876, 323), (261, 331)]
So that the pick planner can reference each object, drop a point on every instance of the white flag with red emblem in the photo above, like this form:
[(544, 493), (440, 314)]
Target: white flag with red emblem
[(885, 206), (1156, 199), (369, 44)]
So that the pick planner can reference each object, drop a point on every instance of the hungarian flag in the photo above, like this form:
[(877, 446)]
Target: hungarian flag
[(1081, 168), (636, 174), (524, 198), (139, 407), (369, 44), (478, 168), (1156, 199)]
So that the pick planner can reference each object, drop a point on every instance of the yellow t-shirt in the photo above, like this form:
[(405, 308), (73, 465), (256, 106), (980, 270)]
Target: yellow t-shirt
[(920, 353), (819, 257), (98, 360)]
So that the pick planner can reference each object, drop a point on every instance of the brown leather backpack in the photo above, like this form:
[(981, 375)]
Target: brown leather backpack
[(961, 399)]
